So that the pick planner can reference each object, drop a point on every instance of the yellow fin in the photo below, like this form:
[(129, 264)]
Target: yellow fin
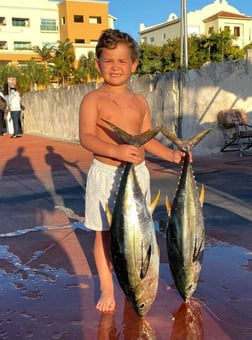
[(202, 195), (154, 202), (109, 214), (168, 206)]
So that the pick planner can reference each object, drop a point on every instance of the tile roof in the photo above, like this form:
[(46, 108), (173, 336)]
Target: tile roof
[(223, 14)]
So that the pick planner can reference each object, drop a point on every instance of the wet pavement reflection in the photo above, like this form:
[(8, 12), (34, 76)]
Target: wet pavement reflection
[(48, 280), (38, 295)]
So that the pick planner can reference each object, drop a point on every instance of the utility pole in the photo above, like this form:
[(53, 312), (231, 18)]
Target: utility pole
[(183, 62)]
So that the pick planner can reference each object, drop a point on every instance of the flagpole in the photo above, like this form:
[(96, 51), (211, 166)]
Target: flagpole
[(183, 62)]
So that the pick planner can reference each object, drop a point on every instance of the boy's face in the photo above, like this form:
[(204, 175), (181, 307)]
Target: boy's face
[(116, 65)]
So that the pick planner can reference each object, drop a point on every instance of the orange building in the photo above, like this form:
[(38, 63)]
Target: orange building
[(28, 23), (82, 22)]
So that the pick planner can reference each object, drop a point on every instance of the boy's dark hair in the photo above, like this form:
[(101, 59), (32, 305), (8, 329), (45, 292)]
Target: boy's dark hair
[(111, 38)]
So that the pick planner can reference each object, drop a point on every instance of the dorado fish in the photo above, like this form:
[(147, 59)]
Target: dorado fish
[(134, 248), (185, 236)]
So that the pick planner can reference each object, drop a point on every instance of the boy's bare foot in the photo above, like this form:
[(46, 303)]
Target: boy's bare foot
[(106, 303)]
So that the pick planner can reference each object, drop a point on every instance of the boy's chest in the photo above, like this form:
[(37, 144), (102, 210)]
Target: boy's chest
[(129, 120)]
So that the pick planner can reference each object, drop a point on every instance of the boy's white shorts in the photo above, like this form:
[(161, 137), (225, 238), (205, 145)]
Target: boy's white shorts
[(102, 186)]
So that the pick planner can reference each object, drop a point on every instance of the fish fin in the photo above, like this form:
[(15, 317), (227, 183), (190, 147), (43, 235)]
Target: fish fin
[(109, 214), (168, 206), (145, 264), (202, 195), (155, 202), (136, 140), (198, 251)]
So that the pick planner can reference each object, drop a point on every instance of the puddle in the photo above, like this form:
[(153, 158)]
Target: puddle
[(224, 287), (44, 302)]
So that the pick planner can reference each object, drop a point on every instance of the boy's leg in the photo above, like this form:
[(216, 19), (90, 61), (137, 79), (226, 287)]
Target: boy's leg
[(102, 254)]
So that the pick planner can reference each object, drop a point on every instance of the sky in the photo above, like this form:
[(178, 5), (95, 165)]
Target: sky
[(130, 13)]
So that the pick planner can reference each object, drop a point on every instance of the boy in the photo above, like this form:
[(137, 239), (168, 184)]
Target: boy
[(116, 54)]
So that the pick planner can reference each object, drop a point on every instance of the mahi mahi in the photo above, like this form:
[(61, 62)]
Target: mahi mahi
[(185, 236), (134, 248)]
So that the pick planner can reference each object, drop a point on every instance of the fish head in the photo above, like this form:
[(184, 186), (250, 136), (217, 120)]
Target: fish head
[(188, 283), (188, 291), (144, 296), (142, 306)]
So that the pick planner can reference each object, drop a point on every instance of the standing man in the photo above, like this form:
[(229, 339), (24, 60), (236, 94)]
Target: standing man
[(14, 106), (3, 107)]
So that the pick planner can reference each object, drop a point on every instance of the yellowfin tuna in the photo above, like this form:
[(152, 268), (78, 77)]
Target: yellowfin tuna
[(185, 238), (134, 247)]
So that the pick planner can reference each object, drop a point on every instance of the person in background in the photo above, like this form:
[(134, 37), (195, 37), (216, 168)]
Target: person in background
[(14, 106), (3, 107)]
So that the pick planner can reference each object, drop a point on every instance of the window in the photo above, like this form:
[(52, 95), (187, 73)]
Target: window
[(23, 22), (78, 18), (95, 20), (49, 44), (63, 21), (227, 28), (237, 32), (22, 45), (164, 36), (152, 39), (79, 41), (3, 45), (48, 25), (2, 21)]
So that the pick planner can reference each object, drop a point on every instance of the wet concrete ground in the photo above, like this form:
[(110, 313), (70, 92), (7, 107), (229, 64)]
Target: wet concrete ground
[(48, 281)]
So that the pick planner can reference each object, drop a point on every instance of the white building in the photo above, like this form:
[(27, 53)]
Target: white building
[(213, 17), (24, 24)]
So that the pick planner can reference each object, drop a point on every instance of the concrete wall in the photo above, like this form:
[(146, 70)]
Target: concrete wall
[(54, 113)]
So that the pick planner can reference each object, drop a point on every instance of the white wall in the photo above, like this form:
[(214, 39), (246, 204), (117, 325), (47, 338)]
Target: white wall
[(215, 87)]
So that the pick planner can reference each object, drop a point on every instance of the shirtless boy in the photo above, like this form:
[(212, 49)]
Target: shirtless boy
[(116, 54)]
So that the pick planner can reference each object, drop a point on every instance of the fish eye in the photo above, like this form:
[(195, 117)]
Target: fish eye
[(141, 306)]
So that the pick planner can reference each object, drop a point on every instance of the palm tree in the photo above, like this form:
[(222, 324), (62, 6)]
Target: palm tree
[(87, 67), (64, 57), (45, 53), (33, 75)]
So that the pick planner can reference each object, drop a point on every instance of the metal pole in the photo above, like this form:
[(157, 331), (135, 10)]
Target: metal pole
[(183, 62)]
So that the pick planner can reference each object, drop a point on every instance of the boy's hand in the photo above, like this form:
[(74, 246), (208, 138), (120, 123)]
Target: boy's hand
[(178, 156), (128, 153)]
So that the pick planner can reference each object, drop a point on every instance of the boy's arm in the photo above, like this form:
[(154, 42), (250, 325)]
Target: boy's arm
[(158, 149)]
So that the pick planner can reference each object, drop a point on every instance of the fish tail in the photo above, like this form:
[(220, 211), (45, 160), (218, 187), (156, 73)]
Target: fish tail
[(136, 140), (185, 144)]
